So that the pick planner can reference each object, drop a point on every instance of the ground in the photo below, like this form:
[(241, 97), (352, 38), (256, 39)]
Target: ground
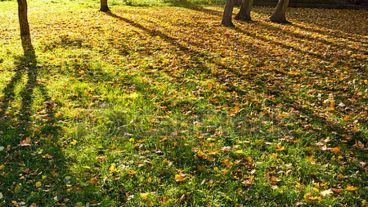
[(161, 106)]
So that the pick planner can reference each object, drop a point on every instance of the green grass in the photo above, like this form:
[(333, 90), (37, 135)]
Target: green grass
[(113, 108)]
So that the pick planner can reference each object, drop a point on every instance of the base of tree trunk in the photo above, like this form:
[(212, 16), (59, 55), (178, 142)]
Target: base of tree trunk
[(243, 18), (105, 9), (279, 20), (227, 24)]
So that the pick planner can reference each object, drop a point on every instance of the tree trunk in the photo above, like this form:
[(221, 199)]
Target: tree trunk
[(228, 12), (244, 13), (25, 34), (104, 6), (280, 11)]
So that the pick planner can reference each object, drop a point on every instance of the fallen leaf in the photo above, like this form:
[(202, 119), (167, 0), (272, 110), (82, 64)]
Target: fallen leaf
[(113, 168), (358, 145), (326, 192), (331, 103), (33, 205), (132, 172), (26, 142), (74, 142), (93, 181), (239, 152), (144, 196), (274, 180), (336, 190), (58, 115), (335, 150), (180, 177), (351, 188), (279, 147), (15, 203), (38, 184), (310, 198), (311, 159)]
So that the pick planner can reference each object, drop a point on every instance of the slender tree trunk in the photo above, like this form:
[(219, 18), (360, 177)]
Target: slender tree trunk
[(280, 11), (25, 34), (104, 6), (245, 9), (228, 11)]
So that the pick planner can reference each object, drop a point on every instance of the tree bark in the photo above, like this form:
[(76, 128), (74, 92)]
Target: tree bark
[(228, 11), (104, 6), (245, 9), (280, 12), (25, 34)]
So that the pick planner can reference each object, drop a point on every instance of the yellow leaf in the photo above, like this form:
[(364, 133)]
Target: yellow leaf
[(74, 142), (38, 184), (144, 196), (113, 168), (132, 172), (279, 147), (351, 188), (309, 197), (311, 159), (239, 152), (235, 110), (225, 171), (81, 72), (58, 115), (180, 177)]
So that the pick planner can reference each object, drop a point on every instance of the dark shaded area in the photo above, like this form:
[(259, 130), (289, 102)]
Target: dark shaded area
[(34, 167), (328, 22), (355, 65), (268, 12), (337, 34), (331, 4)]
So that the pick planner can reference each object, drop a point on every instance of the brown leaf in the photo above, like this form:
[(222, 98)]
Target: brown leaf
[(26, 142), (336, 190)]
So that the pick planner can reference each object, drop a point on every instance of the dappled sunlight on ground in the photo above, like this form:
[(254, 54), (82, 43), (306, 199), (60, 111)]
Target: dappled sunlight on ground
[(162, 106)]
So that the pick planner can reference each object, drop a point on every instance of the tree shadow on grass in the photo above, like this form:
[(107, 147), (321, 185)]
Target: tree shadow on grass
[(272, 28), (190, 4), (34, 167), (338, 130), (184, 156), (304, 19)]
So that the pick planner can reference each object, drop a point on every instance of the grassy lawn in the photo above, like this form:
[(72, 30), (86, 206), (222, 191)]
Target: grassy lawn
[(161, 106)]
